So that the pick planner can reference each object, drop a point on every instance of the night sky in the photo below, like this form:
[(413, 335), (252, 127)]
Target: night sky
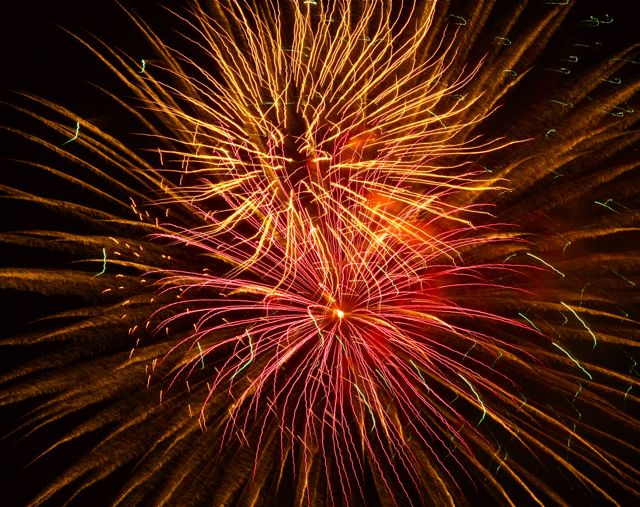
[(39, 57)]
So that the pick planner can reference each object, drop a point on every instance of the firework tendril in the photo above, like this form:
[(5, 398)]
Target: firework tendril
[(339, 277)]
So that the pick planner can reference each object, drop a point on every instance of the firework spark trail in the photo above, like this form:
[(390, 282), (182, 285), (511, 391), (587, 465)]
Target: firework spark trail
[(345, 301), (366, 130), (347, 315)]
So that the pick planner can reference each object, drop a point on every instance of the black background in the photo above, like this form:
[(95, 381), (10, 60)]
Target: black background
[(39, 57)]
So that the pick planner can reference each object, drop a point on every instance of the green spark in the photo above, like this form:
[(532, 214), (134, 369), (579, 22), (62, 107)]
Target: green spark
[(623, 60), (201, 355), (563, 104), (605, 204), (524, 401), (577, 392), (593, 21), (317, 326), (573, 359), (383, 378), (419, 372), (582, 292), (546, 264), (595, 340), (104, 263), (570, 435), (470, 349), (503, 41), (565, 319), (633, 284), (364, 399), (484, 410), (529, 321), (459, 20), (143, 65), (249, 360), (75, 135)]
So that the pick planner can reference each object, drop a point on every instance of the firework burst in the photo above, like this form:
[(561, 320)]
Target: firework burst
[(336, 276)]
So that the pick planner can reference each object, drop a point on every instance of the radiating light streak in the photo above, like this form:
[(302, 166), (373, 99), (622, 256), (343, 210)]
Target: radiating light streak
[(577, 392), (529, 321), (630, 282), (249, 361), (364, 400), (546, 264), (484, 410), (605, 204), (577, 363), (104, 263), (75, 136), (584, 324)]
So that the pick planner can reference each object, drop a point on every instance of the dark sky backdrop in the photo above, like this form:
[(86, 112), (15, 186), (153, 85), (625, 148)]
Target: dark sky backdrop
[(39, 57)]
